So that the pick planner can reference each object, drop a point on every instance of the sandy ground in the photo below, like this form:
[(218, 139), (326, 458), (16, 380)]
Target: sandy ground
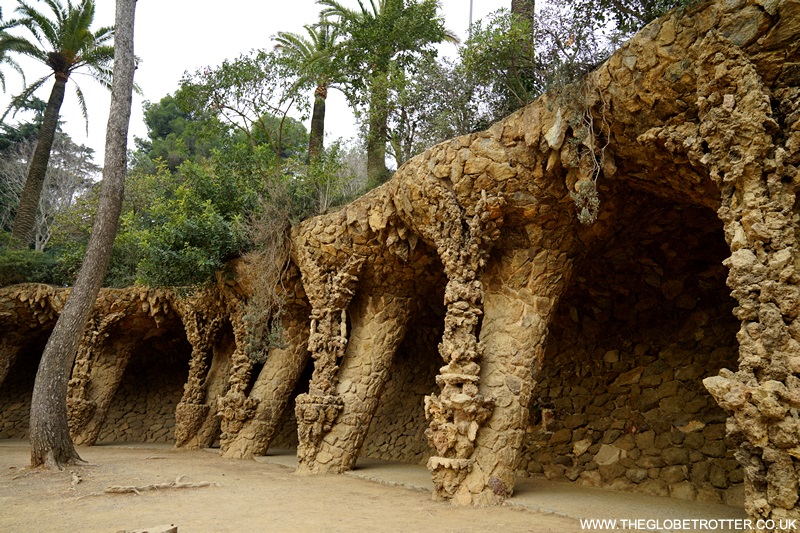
[(246, 496)]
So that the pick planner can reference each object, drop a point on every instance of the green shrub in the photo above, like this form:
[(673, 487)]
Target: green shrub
[(191, 244), (29, 266)]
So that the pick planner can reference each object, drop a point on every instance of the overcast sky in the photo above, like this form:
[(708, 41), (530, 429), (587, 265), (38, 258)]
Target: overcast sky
[(174, 36)]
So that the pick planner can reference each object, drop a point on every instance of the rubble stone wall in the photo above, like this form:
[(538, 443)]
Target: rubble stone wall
[(397, 432), (620, 403), (15, 395), (143, 409)]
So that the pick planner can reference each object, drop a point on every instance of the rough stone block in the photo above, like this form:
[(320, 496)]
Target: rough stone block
[(676, 456), (554, 471), (636, 475), (655, 487), (683, 491), (673, 474), (608, 455)]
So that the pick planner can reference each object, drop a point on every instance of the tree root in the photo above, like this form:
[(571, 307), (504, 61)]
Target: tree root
[(177, 484)]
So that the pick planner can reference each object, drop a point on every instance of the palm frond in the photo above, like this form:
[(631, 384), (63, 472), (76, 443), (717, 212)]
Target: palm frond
[(294, 45), (82, 103), (336, 9), (38, 24), (17, 101), (22, 46), (14, 65)]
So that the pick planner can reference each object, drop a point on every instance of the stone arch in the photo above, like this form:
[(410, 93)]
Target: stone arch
[(17, 387), (28, 313), (134, 381), (619, 401), (124, 325), (695, 110)]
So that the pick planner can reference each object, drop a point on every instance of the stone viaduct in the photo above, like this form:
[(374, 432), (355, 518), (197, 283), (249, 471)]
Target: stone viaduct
[(546, 297)]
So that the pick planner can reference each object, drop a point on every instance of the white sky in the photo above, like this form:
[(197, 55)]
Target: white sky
[(174, 36)]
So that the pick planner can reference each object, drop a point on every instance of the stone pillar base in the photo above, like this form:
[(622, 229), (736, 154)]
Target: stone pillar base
[(315, 417), (189, 417), (448, 474)]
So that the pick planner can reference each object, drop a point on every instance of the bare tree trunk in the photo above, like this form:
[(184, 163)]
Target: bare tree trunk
[(51, 445), (317, 134), (377, 134), (25, 219), (524, 8)]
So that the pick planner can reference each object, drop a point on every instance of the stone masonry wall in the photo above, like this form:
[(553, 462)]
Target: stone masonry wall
[(286, 434), (143, 409), (15, 395), (620, 403)]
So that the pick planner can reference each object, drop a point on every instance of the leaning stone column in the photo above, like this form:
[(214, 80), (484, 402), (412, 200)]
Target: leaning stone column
[(330, 293), (195, 424), (379, 321), (273, 387), (754, 163), (96, 374), (522, 292), (96, 377), (234, 408)]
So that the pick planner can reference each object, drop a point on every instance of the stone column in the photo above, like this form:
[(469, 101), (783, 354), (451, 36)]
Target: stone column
[(196, 424), (459, 411), (96, 374), (95, 379), (329, 292), (274, 387), (522, 291), (749, 155), (379, 321), (234, 408)]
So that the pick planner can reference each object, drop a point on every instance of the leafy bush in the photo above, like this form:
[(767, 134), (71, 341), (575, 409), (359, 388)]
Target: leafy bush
[(193, 243), (27, 266)]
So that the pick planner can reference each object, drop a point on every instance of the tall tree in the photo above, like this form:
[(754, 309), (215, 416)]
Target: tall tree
[(23, 131), (64, 43), (386, 37), (312, 57), (249, 93), (69, 174), (176, 132), (524, 8), (51, 444), (628, 15)]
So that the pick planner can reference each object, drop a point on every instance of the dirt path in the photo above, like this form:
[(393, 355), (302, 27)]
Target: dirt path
[(248, 496)]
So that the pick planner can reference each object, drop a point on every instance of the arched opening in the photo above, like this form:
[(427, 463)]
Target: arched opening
[(143, 408), (286, 432), (619, 401), (17, 389), (397, 429)]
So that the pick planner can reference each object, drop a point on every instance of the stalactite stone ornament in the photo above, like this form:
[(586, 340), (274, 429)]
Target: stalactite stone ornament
[(458, 412)]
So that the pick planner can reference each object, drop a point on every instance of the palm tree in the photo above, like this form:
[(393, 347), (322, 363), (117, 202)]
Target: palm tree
[(388, 36), (65, 44), (312, 56)]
